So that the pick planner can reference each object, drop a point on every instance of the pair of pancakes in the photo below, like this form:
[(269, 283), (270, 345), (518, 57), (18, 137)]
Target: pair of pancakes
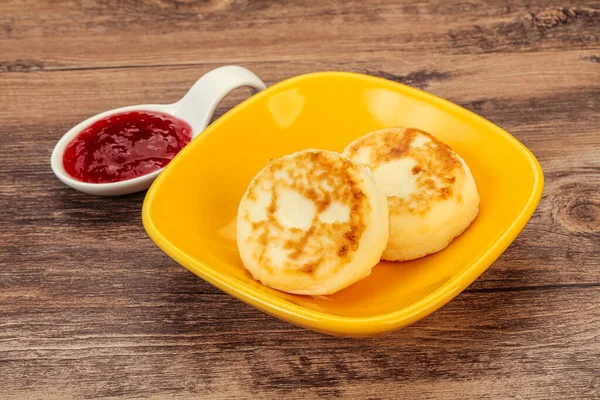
[(315, 222)]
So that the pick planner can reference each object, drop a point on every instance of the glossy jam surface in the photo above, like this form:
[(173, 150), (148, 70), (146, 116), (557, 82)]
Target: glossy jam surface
[(125, 146)]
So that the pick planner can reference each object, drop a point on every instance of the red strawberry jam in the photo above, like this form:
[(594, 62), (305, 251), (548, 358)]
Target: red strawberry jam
[(124, 146)]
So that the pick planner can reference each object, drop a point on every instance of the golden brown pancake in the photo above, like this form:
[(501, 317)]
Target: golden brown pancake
[(312, 222), (432, 197)]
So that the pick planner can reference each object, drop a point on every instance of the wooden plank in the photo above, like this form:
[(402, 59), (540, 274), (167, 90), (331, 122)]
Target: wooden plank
[(82, 34), (534, 344), (485, 81)]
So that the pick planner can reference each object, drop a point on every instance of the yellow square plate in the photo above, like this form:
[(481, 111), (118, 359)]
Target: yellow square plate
[(190, 209)]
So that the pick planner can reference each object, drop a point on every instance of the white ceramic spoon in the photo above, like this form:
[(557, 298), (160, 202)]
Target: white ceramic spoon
[(196, 108)]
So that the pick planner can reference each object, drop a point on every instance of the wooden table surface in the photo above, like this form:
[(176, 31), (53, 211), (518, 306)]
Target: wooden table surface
[(91, 308)]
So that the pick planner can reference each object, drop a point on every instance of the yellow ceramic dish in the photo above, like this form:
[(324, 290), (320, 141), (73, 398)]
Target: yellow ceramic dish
[(190, 209)]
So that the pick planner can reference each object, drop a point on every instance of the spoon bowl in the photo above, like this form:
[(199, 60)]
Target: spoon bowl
[(195, 108)]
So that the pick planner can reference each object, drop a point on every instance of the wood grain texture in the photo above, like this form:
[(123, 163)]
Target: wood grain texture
[(90, 308)]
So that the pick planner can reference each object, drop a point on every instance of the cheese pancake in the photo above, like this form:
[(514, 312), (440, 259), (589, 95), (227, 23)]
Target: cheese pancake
[(432, 197), (312, 222)]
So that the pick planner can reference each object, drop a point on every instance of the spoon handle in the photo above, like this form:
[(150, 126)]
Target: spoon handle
[(200, 102)]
